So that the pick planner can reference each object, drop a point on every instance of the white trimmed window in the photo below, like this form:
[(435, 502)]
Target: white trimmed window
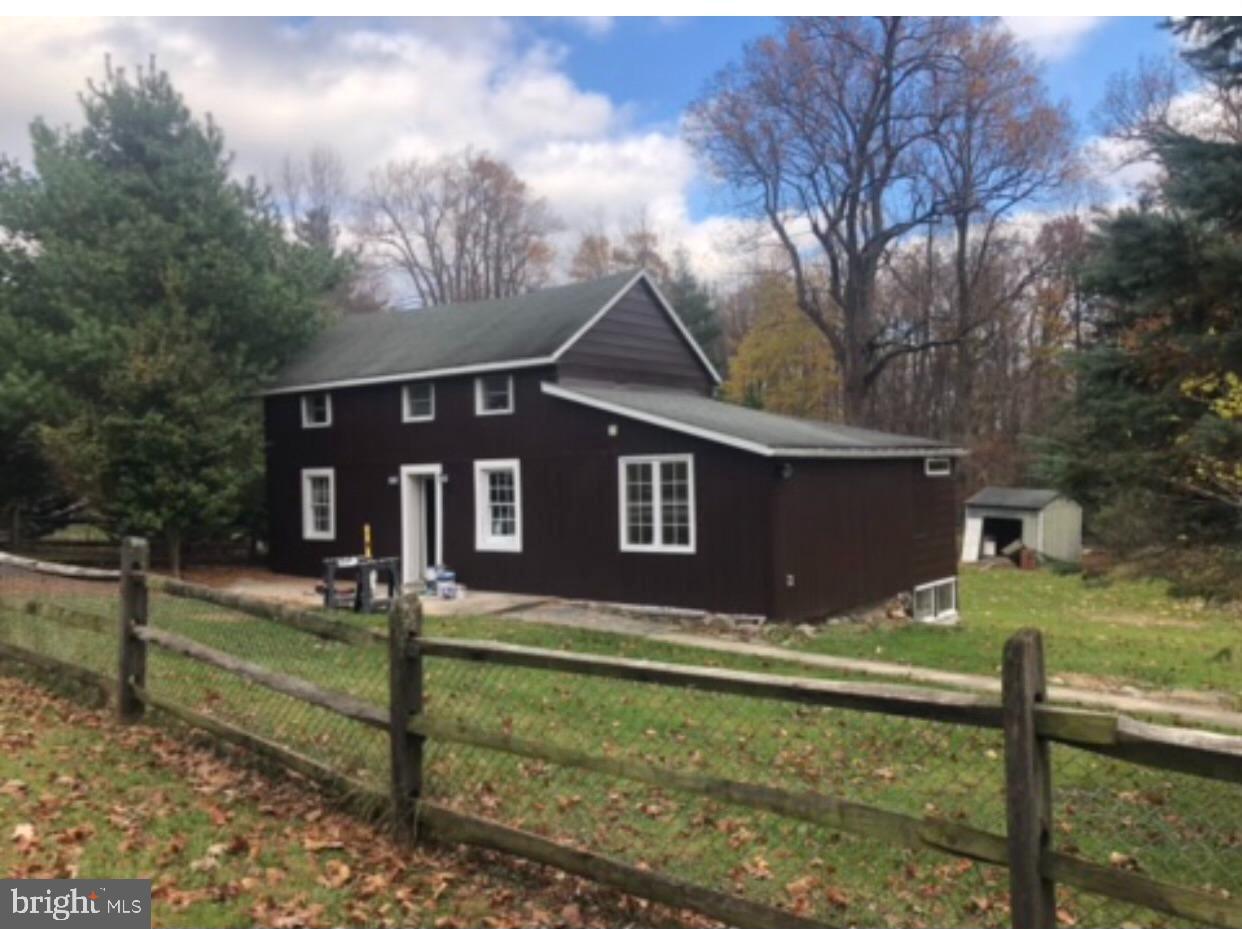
[(657, 503), (937, 467), (418, 402), (498, 505), (493, 394), (318, 504), (936, 601), (316, 410)]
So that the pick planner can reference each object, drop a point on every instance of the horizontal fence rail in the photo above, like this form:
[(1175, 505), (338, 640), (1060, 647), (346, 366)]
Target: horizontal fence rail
[(344, 670)]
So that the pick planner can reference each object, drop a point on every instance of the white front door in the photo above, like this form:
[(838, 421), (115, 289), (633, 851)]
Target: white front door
[(421, 499)]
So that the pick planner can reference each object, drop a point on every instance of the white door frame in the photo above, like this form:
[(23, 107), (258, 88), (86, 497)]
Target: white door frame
[(409, 473)]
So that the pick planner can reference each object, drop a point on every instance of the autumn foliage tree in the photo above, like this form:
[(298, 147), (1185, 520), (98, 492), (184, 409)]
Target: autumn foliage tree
[(848, 135), (781, 364)]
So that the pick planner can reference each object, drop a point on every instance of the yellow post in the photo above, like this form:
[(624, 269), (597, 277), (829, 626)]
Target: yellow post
[(366, 539)]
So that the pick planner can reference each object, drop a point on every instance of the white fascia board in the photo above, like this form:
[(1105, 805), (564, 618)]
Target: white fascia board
[(412, 376), (756, 448), (664, 305)]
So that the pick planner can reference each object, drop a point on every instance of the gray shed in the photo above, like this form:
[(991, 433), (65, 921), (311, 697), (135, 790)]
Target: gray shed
[(1043, 520)]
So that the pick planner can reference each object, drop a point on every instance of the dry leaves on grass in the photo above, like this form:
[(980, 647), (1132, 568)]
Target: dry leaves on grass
[(254, 821)]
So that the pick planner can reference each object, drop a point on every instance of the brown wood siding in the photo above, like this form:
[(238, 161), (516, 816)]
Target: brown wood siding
[(635, 342), (569, 496), (852, 533)]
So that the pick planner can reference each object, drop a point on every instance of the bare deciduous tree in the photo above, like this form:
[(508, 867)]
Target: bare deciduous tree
[(465, 227), (1001, 146), (828, 131)]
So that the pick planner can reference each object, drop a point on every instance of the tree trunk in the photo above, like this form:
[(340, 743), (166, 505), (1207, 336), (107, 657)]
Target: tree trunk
[(15, 527), (173, 538)]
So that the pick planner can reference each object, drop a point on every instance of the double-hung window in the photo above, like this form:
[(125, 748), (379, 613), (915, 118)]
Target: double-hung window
[(318, 504), (316, 410), (498, 505), (493, 394), (657, 503), (418, 402)]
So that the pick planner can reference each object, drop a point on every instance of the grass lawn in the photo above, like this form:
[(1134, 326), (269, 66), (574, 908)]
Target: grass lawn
[(226, 846), (1173, 827), (1122, 631)]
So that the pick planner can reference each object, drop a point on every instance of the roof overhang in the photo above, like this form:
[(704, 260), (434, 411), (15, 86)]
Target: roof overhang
[(517, 362), (756, 448)]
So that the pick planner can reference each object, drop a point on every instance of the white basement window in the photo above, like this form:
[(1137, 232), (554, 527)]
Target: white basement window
[(937, 467), (657, 503), (493, 394), (498, 505), (418, 402), (318, 504), (936, 601), (316, 410)]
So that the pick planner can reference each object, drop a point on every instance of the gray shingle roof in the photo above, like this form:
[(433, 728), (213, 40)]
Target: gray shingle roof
[(743, 427), (514, 329), (1014, 498)]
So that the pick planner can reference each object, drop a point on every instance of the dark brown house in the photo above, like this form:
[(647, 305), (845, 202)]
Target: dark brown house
[(566, 443)]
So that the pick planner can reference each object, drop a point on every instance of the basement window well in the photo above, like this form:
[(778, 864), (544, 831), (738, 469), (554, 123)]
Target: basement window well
[(936, 601)]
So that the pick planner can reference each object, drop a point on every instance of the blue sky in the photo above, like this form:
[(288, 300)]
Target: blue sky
[(586, 110)]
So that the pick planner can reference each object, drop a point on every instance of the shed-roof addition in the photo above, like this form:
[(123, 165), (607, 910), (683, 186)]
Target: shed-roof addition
[(522, 331), (1014, 498), (753, 430)]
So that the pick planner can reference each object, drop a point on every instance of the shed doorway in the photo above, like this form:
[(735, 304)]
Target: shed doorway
[(998, 533), (422, 532)]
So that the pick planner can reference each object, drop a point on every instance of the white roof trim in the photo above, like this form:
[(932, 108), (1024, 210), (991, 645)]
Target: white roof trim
[(757, 448), (664, 305), (519, 363), (412, 376)]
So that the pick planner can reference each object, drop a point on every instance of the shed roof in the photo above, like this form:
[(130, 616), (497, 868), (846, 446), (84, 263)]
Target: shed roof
[(525, 330), (1014, 498), (742, 427)]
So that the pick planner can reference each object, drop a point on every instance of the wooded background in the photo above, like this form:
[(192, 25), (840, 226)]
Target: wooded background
[(923, 257)]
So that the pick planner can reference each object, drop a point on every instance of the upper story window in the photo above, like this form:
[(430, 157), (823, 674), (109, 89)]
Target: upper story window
[(937, 467), (498, 505), (316, 410), (418, 402), (657, 503), (318, 504), (493, 394)]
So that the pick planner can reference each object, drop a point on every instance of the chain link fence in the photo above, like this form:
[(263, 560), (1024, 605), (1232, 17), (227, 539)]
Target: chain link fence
[(1177, 828), (350, 748), (70, 619)]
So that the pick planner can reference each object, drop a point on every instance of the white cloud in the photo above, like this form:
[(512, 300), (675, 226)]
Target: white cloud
[(1052, 37), (374, 91)]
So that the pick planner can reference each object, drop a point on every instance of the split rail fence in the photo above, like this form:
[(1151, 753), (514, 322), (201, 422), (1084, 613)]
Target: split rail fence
[(755, 798)]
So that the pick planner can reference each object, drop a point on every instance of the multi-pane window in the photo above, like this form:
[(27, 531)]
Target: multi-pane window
[(657, 503), (936, 601), (318, 503), (493, 394), (498, 505), (418, 402), (316, 410)]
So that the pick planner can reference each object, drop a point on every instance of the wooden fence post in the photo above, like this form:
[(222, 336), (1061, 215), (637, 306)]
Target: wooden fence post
[(132, 666), (1028, 782), (405, 690)]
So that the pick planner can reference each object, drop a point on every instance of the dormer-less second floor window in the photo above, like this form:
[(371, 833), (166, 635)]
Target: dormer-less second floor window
[(493, 394), (418, 402), (316, 410)]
